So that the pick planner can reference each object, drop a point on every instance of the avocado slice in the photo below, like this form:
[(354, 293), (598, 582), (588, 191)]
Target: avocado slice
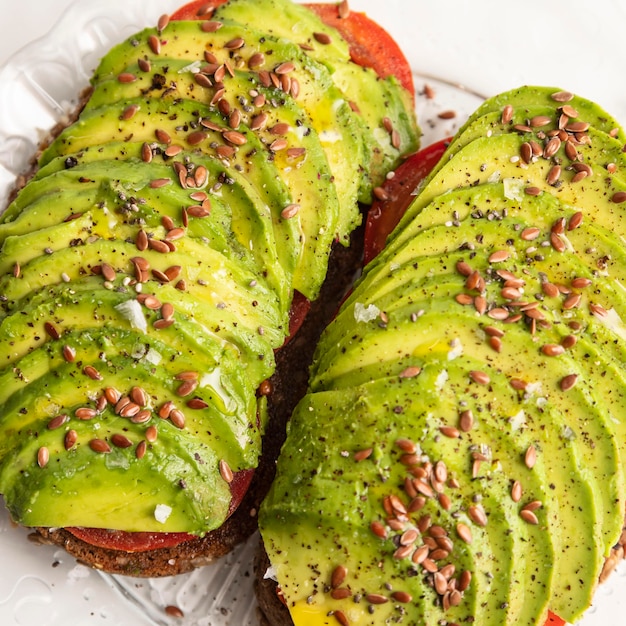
[(497, 309)]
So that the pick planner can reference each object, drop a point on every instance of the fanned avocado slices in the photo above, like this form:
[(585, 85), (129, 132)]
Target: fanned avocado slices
[(460, 455), (148, 267)]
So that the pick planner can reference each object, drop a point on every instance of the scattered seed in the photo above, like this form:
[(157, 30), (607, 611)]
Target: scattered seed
[(361, 455), (174, 611), (121, 441), (619, 197), (498, 256), (516, 491), (477, 514), (85, 413), (530, 457), (449, 431), (341, 618), (43, 456), (410, 372), (552, 349), (376, 598), (466, 421), (568, 382), (290, 211), (479, 377), (100, 446), (126, 77), (529, 517), (507, 114)]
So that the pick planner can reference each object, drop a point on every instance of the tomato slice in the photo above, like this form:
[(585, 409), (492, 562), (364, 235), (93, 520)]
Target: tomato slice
[(384, 215), (554, 620), (370, 44)]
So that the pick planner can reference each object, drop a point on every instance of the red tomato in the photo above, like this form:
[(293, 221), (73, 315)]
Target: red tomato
[(554, 620), (384, 215)]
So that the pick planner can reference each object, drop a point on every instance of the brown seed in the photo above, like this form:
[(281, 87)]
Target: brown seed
[(540, 120), (498, 256), (466, 421), (210, 26), (70, 439), (225, 472), (322, 38), (92, 372), (526, 152), (530, 457), (341, 618), (410, 372), (447, 115), (572, 301), (477, 514), (235, 44), (532, 191), (338, 576), (43, 456), (177, 418), (562, 96), (441, 584), (129, 410), (552, 349), (568, 341), (557, 243), (378, 528), (464, 532), (581, 282), (85, 413), (162, 22), (463, 268), (507, 114), (69, 353), (51, 330), (186, 388), (464, 299), (480, 304), (174, 611), (479, 377), (361, 455), (551, 148), (528, 234), (144, 65), (155, 44), (598, 310), (290, 211), (450, 432), (139, 396), (141, 417), (112, 395), (376, 598), (529, 517), (140, 450), (100, 445), (58, 421), (278, 144), (567, 382), (619, 197), (159, 182), (553, 175), (126, 77), (402, 596), (121, 441)]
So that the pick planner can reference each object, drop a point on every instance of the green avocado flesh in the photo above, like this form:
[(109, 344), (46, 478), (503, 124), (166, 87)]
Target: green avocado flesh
[(460, 455), (148, 267)]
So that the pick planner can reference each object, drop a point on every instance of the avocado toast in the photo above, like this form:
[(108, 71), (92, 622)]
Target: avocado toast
[(152, 265), (459, 457)]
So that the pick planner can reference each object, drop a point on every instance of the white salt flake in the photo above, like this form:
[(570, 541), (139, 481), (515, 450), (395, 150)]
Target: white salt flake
[(162, 513), (364, 313), (132, 311)]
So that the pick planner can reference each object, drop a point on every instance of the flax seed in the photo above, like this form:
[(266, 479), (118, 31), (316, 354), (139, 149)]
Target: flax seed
[(568, 382)]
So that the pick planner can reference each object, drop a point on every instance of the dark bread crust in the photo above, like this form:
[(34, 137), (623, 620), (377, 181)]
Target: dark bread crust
[(289, 383)]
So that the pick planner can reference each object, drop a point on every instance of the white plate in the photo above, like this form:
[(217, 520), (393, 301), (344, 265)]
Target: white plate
[(475, 48)]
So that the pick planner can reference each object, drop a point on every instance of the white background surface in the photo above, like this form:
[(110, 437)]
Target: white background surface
[(487, 45)]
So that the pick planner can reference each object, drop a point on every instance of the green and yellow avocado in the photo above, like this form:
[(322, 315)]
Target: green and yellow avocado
[(460, 455), (149, 265)]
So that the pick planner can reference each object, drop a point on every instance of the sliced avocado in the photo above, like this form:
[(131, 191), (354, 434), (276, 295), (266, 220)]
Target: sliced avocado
[(498, 307), (386, 108)]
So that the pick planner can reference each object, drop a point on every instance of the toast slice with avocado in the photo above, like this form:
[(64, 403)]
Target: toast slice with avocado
[(460, 454), (166, 247)]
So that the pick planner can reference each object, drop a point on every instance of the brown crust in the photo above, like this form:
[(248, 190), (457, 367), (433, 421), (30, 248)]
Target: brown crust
[(289, 383)]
